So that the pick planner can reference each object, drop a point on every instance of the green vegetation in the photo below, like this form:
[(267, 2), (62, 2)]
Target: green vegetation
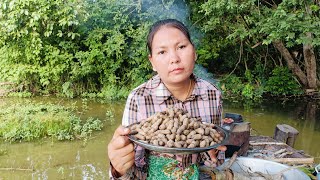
[(31, 121), (96, 49), (260, 43), (281, 82), (72, 49)]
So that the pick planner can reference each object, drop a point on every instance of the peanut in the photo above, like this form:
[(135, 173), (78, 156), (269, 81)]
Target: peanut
[(176, 128)]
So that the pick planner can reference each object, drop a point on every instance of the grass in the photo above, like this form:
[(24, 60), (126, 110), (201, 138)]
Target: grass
[(29, 121)]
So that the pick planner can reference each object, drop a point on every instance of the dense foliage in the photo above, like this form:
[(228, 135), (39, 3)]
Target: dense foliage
[(72, 48), (97, 48), (260, 39)]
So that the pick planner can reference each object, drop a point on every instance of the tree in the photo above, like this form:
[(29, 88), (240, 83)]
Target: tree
[(291, 26), (79, 47), (35, 39)]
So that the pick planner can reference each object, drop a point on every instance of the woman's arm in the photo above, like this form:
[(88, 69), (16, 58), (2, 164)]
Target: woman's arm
[(118, 170)]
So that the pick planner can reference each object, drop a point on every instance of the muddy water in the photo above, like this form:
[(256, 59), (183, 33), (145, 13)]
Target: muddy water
[(49, 159)]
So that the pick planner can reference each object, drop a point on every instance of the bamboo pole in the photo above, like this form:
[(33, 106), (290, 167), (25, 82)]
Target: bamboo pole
[(255, 143), (294, 160)]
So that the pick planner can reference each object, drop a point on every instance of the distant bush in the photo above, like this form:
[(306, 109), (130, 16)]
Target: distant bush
[(282, 82)]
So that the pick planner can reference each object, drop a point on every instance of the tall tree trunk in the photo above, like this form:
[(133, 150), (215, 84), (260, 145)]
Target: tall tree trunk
[(310, 64), (291, 64), (310, 58)]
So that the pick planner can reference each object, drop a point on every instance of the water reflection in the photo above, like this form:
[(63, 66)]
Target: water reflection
[(49, 159)]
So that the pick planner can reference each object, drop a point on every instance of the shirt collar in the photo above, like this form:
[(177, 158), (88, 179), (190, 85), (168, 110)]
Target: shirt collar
[(200, 89), (162, 93)]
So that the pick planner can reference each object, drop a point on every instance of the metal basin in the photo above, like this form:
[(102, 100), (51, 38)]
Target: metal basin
[(254, 167)]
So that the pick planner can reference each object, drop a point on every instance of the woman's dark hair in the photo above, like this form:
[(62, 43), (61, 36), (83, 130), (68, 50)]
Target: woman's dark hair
[(167, 22)]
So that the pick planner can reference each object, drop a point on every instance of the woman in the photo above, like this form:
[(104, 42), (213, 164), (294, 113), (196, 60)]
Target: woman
[(173, 56)]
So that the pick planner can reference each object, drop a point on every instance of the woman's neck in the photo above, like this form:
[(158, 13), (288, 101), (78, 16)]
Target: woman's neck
[(181, 91)]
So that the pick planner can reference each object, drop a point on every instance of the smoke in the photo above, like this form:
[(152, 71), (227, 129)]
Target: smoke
[(163, 9), (174, 9), (202, 72)]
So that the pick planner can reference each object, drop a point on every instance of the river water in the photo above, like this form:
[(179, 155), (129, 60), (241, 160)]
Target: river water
[(50, 159)]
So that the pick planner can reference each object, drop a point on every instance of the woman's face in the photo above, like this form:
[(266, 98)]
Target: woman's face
[(173, 56)]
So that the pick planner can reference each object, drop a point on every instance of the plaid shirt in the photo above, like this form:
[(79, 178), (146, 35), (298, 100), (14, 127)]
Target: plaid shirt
[(153, 96)]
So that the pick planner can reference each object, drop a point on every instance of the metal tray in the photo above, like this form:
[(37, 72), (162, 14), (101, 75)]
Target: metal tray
[(163, 149)]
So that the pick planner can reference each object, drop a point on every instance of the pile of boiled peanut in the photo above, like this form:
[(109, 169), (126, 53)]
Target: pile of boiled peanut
[(175, 128)]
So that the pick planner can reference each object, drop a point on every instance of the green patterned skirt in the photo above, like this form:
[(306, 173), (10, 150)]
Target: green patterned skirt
[(167, 168)]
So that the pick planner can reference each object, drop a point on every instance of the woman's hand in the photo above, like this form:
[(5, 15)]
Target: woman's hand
[(214, 152), (121, 151)]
